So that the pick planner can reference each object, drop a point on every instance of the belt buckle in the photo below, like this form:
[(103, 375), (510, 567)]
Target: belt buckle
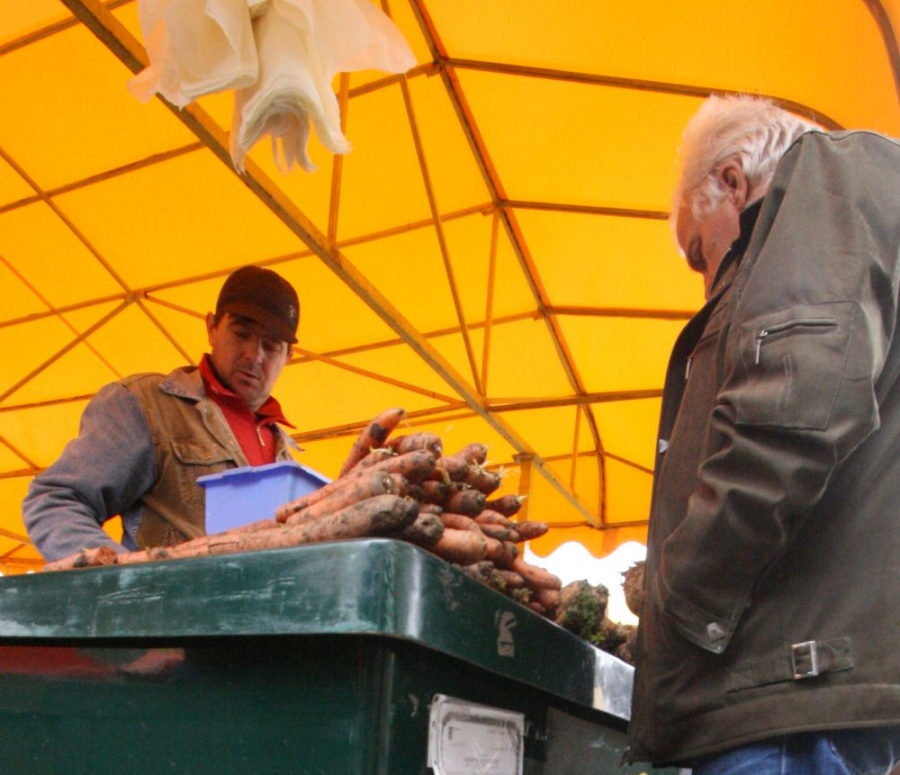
[(805, 660)]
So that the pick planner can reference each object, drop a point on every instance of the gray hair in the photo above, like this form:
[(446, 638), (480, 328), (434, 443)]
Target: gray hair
[(750, 130)]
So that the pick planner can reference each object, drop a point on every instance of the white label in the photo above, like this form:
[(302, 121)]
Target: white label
[(469, 739), (506, 643)]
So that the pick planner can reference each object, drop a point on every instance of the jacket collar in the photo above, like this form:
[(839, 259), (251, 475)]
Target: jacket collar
[(185, 382), (732, 258)]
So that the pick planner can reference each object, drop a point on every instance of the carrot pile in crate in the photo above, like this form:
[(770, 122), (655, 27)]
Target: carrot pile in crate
[(392, 485)]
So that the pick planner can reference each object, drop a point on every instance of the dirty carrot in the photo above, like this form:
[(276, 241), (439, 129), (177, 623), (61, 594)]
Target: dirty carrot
[(376, 455), (508, 505), (408, 442), (413, 466), (499, 532), (481, 479), (372, 435), (535, 577), (439, 474), (196, 547), (453, 469), (467, 501), (463, 547), (549, 598), (425, 531), (378, 515), (482, 571), (494, 547), (260, 524), (459, 521), (304, 501), (355, 489), (132, 558), (490, 517), (401, 484), (457, 465), (433, 490), (86, 558), (501, 553), (336, 488), (472, 453), (510, 579), (528, 530), (415, 491)]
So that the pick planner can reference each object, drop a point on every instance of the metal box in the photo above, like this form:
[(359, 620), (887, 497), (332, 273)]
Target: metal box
[(318, 659)]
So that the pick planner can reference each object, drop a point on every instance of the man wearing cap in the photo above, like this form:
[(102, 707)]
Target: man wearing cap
[(145, 440)]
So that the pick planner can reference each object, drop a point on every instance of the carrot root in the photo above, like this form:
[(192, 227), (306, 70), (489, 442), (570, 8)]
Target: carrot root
[(86, 558), (463, 547), (372, 435)]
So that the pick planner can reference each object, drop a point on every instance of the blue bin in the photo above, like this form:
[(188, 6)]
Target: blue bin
[(242, 495)]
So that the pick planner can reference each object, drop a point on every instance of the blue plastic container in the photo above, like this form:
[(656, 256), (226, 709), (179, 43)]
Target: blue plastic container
[(242, 495)]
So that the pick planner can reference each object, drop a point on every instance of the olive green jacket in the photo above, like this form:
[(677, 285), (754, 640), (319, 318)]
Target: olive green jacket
[(773, 566)]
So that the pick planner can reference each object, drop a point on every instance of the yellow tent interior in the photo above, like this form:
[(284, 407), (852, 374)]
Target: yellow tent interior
[(493, 255)]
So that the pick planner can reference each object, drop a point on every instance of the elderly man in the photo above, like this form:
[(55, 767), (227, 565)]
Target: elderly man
[(769, 637), (145, 439)]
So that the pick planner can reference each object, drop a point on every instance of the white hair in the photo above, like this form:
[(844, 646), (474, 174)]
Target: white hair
[(750, 130)]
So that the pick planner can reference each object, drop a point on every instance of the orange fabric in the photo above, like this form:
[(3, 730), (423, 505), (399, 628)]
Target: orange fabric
[(492, 254)]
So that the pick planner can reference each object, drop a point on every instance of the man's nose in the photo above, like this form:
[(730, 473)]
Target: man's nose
[(253, 349)]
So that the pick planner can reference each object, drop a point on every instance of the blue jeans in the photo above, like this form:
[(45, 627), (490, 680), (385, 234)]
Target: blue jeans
[(872, 751)]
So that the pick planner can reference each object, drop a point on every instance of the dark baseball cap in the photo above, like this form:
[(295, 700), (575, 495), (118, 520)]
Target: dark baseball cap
[(264, 296)]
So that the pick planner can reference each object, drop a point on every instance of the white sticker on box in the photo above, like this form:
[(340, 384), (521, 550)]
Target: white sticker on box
[(469, 739)]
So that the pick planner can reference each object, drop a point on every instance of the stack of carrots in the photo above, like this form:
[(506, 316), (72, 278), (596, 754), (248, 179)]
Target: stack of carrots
[(398, 486)]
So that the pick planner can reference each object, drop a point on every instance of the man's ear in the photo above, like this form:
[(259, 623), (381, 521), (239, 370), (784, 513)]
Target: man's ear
[(210, 325), (734, 182)]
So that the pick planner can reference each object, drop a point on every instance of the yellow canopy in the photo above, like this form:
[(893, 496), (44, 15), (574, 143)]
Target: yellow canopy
[(493, 254)]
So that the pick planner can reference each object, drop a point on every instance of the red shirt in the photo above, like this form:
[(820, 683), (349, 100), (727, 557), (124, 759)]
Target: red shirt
[(254, 431)]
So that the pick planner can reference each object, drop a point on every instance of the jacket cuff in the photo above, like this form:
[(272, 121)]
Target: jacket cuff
[(702, 628)]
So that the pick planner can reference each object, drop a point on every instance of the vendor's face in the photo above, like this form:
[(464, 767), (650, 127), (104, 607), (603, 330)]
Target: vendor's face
[(246, 357), (705, 242)]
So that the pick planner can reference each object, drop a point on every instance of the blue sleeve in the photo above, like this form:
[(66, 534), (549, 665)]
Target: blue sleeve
[(100, 474)]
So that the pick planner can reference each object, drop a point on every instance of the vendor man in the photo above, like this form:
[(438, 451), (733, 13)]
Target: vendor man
[(145, 439)]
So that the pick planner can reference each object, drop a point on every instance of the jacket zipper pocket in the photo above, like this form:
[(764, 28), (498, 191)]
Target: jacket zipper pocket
[(789, 325)]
